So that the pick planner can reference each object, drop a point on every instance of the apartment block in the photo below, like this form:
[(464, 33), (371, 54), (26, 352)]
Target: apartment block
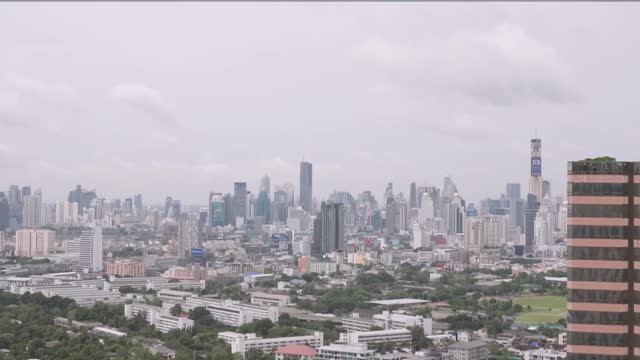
[(345, 352), (262, 298), (241, 343), (126, 268), (31, 242), (158, 317), (469, 350), (397, 336)]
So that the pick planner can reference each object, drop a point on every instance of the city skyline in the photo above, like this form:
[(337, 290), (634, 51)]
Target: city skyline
[(206, 114)]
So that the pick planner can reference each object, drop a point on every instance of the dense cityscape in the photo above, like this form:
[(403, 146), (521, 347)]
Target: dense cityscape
[(276, 273), (319, 181)]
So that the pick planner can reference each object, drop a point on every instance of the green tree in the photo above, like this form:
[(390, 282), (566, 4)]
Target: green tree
[(176, 310)]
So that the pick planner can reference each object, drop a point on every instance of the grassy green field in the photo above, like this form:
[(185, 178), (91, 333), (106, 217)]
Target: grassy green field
[(544, 309)]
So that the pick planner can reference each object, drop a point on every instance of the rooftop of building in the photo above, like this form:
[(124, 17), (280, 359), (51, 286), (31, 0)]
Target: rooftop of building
[(468, 345), (300, 350), (398, 302)]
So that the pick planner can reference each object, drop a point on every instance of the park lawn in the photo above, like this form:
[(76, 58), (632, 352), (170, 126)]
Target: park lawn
[(544, 309)]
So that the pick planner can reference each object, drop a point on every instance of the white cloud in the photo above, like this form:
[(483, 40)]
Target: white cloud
[(145, 99), (275, 163), (212, 168), (505, 66), (7, 158)]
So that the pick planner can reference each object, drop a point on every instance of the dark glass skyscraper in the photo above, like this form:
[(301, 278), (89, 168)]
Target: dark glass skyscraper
[(603, 319), (413, 196), (330, 235), (4, 212), (306, 185), (240, 202)]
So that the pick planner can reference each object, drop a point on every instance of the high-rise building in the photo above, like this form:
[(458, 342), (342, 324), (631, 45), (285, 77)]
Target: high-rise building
[(91, 254), (30, 242), (126, 268), (263, 206), (31, 211), (187, 236), (427, 209), (66, 213), (229, 214), (5, 212), (530, 211), (390, 210), (329, 228), (516, 205), (535, 182), (603, 317), (543, 225), (82, 197), (137, 204), (265, 184), (128, 206), (280, 205), (413, 196), (168, 204), (546, 189), (240, 203), (513, 191), (306, 186), (15, 203), (216, 210), (176, 210)]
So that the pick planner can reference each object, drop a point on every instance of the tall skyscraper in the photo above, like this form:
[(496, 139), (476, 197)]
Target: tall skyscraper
[(603, 316), (390, 210), (530, 211), (187, 236), (535, 182), (229, 215), (263, 206), (516, 205), (546, 189), (128, 206), (15, 203), (137, 204), (513, 191), (31, 211), (265, 184), (176, 210), (330, 232), (240, 203), (306, 186), (82, 197), (168, 204), (216, 210), (91, 254), (4, 212), (66, 213), (543, 225), (413, 196)]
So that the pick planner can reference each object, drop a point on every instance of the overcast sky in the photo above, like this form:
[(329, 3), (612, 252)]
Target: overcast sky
[(181, 99)]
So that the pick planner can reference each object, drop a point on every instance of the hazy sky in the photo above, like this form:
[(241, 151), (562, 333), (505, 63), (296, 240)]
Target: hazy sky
[(181, 99)]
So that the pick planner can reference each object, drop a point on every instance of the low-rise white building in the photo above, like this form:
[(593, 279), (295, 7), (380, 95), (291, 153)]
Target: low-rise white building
[(241, 343), (262, 298), (397, 336), (345, 352), (393, 320), (544, 354), (158, 317), (233, 313)]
